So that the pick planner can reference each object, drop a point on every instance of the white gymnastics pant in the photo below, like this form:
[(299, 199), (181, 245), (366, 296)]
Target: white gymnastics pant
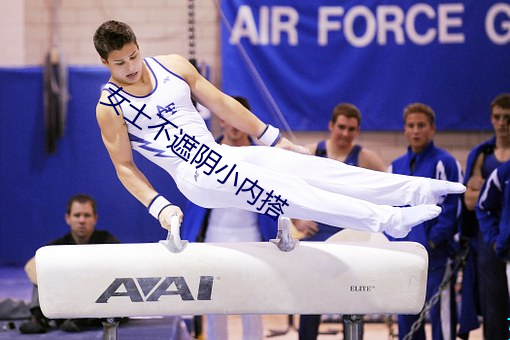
[(315, 188)]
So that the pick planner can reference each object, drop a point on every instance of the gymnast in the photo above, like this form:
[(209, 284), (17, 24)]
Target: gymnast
[(147, 106)]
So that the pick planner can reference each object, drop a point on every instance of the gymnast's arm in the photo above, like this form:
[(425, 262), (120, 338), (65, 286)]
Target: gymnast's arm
[(116, 140), (224, 106)]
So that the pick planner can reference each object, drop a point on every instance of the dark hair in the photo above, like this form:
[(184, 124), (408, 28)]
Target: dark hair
[(112, 35), (81, 198), (244, 102), (347, 110), (420, 108), (503, 101)]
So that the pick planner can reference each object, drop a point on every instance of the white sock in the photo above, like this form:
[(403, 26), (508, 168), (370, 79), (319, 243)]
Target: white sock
[(412, 216), (442, 188)]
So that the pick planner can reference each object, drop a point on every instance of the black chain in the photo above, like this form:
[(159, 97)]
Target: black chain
[(459, 263), (191, 30)]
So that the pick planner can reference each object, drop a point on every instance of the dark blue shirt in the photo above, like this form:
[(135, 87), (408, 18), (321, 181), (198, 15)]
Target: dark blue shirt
[(325, 230)]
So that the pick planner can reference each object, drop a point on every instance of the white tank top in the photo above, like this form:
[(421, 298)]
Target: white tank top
[(162, 118), (232, 225)]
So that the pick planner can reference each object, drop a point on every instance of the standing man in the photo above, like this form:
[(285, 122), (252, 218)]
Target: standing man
[(229, 225), (424, 159), (81, 217), (483, 268), (344, 127), (493, 213)]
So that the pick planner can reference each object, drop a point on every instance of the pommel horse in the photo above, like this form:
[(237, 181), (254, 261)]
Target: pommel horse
[(173, 277)]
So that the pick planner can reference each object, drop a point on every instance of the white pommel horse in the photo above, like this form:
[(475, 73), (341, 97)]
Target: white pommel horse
[(352, 276)]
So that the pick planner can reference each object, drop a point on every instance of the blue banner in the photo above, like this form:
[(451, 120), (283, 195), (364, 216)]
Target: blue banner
[(295, 60)]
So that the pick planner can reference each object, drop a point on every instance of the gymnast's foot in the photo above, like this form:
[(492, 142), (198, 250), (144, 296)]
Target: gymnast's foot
[(412, 216), (437, 190), (442, 188)]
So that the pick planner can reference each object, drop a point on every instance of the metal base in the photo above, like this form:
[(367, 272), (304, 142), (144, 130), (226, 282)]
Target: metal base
[(353, 327), (110, 329)]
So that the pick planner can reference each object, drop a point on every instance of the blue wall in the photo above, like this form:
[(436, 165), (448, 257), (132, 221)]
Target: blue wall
[(35, 186)]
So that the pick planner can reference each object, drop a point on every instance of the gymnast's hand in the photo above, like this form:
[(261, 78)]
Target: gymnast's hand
[(286, 144), (166, 215)]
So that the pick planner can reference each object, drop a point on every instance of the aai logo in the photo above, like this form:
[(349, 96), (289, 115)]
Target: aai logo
[(152, 288)]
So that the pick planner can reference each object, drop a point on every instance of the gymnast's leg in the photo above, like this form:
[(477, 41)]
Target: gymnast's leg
[(303, 201), (374, 186)]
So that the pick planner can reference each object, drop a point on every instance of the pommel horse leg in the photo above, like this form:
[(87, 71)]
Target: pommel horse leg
[(110, 329), (353, 327)]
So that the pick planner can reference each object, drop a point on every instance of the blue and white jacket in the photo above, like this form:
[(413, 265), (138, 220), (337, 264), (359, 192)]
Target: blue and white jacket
[(493, 210), (435, 163)]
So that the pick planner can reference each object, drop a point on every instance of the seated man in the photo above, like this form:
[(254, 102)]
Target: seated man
[(81, 216)]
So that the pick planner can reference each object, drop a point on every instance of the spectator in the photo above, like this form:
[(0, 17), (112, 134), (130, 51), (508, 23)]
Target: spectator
[(424, 159), (81, 217)]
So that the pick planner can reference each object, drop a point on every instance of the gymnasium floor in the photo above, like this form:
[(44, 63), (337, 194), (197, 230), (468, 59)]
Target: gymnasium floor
[(15, 285)]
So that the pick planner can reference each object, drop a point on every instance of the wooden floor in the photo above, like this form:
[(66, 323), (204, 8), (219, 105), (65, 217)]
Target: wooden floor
[(279, 323), (159, 329)]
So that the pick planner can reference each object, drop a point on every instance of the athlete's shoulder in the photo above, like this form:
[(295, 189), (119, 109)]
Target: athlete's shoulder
[(312, 147), (172, 60), (103, 236), (399, 164), (64, 240), (103, 105), (482, 147), (445, 156), (178, 65), (504, 170), (401, 159), (106, 113), (369, 159)]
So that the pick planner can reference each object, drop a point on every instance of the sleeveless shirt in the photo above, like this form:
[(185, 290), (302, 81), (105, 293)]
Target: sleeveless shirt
[(164, 125), (351, 159), (490, 162), (325, 230)]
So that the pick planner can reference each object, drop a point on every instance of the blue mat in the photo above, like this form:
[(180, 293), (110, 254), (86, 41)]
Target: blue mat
[(134, 329)]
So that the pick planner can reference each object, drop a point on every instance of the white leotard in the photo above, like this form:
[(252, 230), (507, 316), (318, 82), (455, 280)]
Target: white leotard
[(156, 119), (165, 127)]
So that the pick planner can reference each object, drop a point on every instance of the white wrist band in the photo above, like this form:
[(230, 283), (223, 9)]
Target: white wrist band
[(270, 136), (157, 205)]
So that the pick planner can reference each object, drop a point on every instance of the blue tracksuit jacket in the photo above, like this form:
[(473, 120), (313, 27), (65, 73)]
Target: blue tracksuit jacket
[(493, 210), (436, 163)]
